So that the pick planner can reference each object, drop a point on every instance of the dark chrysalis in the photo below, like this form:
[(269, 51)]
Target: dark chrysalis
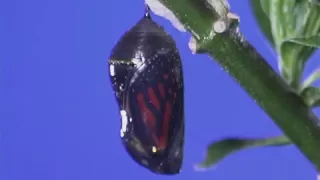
[(146, 75)]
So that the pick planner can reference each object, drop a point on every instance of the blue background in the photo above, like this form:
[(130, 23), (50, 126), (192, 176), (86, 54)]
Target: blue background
[(59, 119)]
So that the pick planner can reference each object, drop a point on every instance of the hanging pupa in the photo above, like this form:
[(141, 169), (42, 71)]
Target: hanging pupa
[(146, 75)]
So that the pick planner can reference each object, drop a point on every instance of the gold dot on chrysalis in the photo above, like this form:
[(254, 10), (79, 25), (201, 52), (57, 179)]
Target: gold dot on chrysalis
[(154, 149)]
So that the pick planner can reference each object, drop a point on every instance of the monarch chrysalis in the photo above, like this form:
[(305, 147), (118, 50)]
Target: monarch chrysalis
[(146, 74)]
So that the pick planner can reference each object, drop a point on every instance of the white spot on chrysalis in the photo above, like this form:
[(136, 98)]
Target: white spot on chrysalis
[(136, 61), (112, 72), (121, 87), (124, 122), (159, 9), (143, 161)]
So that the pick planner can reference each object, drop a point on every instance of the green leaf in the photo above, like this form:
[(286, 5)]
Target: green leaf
[(316, 2), (261, 11), (313, 41), (220, 149), (265, 5), (311, 96), (292, 20), (313, 77)]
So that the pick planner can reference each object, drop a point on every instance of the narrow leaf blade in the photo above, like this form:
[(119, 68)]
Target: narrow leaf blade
[(313, 41), (220, 149), (312, 78), (262, 18)]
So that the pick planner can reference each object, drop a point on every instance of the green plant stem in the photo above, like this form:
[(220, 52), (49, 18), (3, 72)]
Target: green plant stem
[(254, 74)]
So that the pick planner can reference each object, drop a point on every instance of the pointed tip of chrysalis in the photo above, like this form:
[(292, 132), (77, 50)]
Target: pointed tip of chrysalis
[(146, 11)]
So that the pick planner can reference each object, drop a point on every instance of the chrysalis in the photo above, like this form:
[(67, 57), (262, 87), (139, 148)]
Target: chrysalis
[(147, 79)]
